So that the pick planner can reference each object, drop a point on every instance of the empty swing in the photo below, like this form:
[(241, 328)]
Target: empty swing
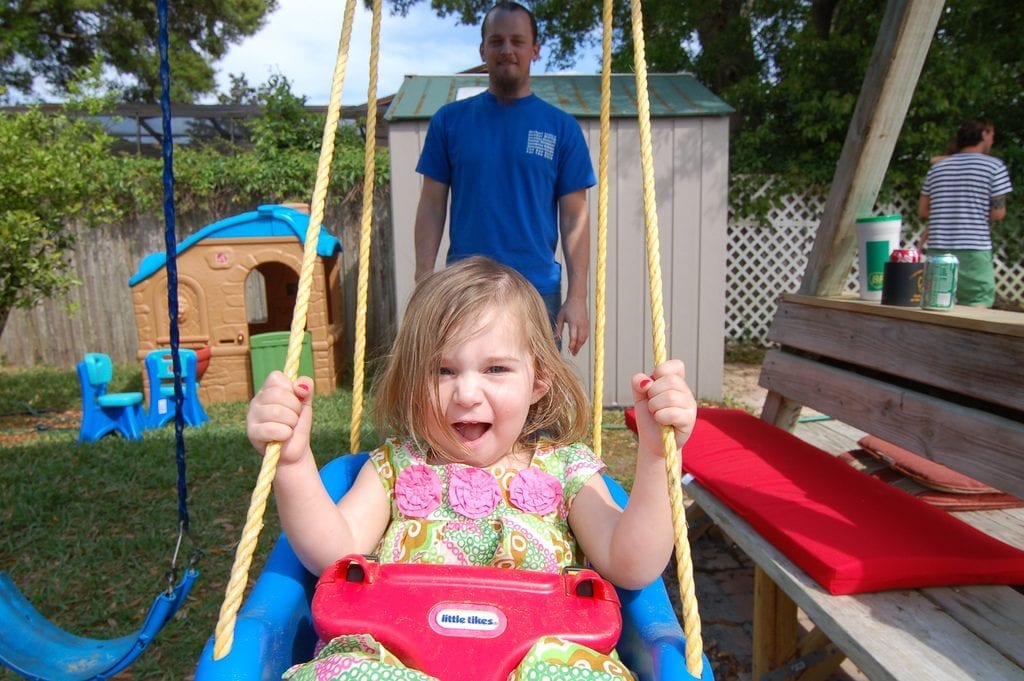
[(31, 645), (273, 630)]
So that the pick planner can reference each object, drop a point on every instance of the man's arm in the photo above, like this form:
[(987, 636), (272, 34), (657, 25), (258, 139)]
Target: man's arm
[(430, 217), (997, 208), (574, 225)]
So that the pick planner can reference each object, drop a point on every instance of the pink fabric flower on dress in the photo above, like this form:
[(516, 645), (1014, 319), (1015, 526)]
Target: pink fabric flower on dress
[(473, 492), (534, 491), (417, 491)]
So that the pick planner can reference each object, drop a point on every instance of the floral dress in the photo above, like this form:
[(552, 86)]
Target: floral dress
[(458, 514)]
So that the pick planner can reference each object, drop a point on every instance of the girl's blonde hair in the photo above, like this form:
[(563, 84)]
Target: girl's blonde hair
[(443, 311)]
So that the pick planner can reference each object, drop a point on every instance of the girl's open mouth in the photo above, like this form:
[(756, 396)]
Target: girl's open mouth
[(470, 431)]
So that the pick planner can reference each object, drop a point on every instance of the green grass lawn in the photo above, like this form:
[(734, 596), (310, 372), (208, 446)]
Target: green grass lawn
[(88, 530)]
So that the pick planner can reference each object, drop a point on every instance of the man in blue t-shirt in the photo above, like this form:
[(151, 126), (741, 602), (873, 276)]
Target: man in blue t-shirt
[(518, 170)]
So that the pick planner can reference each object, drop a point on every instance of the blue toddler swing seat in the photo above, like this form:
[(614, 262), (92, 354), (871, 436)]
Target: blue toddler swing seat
[(274, 629)]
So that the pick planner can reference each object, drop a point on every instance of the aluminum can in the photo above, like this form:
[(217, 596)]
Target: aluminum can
[(938, 289), (905, 255)]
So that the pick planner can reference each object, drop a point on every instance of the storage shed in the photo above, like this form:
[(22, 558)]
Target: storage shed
[(690, 136)]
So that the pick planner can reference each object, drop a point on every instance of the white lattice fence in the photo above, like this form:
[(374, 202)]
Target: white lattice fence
[(764, 261), (1009, 278)]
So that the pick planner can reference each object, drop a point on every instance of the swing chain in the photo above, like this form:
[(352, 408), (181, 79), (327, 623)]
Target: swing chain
[(172, 572)]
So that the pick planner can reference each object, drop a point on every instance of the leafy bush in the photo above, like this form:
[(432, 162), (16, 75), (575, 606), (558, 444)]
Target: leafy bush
[(50, 167)]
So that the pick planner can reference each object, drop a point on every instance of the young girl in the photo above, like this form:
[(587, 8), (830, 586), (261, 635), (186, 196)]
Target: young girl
[(486, 467)]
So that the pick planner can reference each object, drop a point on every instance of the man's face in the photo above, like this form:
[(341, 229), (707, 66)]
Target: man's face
[(507, 49)]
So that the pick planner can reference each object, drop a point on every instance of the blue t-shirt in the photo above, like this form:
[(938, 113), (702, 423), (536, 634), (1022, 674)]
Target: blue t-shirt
[(507, 165)]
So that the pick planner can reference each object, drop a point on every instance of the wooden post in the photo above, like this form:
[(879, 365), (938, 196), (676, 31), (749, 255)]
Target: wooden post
[(774, 625), (903, 40)]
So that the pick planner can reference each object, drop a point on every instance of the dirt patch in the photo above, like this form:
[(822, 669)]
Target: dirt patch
[(740, 388), (21, 428)]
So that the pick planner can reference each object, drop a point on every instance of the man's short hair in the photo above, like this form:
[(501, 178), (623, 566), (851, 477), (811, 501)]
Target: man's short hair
[(971, 131), (508, 6)]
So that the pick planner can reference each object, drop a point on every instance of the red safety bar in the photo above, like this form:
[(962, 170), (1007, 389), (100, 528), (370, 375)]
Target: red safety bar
[(463, 622)]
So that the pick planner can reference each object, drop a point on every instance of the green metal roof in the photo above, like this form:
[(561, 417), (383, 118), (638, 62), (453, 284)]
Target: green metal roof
[(670, 95)]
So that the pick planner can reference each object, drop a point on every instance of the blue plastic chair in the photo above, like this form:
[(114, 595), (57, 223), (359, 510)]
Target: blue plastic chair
[(103, 412), (274, 628), (160, 375)]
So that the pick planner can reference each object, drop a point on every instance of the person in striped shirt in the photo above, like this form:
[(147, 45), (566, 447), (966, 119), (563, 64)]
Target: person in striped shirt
[(963, 193)]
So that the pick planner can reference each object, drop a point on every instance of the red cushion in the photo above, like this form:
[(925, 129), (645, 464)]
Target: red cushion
[(630, 415), (850, 532)]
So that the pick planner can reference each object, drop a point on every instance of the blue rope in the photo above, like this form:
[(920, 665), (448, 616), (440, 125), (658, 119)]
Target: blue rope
[(172, 261)]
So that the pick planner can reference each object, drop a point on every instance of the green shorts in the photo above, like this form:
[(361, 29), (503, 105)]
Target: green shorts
[(976, 280)]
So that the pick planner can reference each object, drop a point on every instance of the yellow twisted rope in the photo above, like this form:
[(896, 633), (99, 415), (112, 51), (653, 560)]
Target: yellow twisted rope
[(602, 224), (225, 631), (673, 463), (365, 236)]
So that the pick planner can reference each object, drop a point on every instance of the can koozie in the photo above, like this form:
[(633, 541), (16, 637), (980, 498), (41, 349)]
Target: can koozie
[(902, 284)]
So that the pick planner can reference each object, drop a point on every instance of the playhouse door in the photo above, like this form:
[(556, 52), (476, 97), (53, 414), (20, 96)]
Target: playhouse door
[(270, 292)]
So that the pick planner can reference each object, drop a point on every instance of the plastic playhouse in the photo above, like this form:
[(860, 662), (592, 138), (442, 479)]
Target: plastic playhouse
[(237, 282)]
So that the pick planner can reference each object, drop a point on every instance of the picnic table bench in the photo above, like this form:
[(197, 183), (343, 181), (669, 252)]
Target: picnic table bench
[(946, 385)]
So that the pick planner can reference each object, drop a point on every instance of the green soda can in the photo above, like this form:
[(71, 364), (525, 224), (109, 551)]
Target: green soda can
[(938, 290)]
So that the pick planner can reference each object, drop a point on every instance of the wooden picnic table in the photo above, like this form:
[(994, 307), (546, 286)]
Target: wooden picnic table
[(946, 385)]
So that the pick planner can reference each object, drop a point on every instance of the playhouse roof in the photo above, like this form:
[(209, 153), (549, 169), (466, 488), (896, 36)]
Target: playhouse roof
[(265, 221), (670, 95)]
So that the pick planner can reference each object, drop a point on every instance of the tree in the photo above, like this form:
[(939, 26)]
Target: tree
[(51, 39), (278, 161), (796, 113), (51, 167), (284, 122)]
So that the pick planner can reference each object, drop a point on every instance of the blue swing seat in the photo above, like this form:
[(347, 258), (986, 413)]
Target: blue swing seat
[(37, 649), (274, 628)]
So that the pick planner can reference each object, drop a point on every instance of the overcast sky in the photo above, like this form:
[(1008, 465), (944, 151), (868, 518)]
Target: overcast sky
[(300, 42)]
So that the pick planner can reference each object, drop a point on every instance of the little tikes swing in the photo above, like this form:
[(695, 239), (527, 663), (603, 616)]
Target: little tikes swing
[(31, 645), (451, 621)]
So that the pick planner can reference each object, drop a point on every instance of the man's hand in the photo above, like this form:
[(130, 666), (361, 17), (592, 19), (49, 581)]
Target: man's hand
[(574, 314)]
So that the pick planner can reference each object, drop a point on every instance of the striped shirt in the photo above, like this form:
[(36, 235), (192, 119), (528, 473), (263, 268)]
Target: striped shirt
[(961, 189)]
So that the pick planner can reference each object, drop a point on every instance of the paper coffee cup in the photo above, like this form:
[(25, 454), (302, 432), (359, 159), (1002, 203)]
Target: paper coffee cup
[(877, 237)]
